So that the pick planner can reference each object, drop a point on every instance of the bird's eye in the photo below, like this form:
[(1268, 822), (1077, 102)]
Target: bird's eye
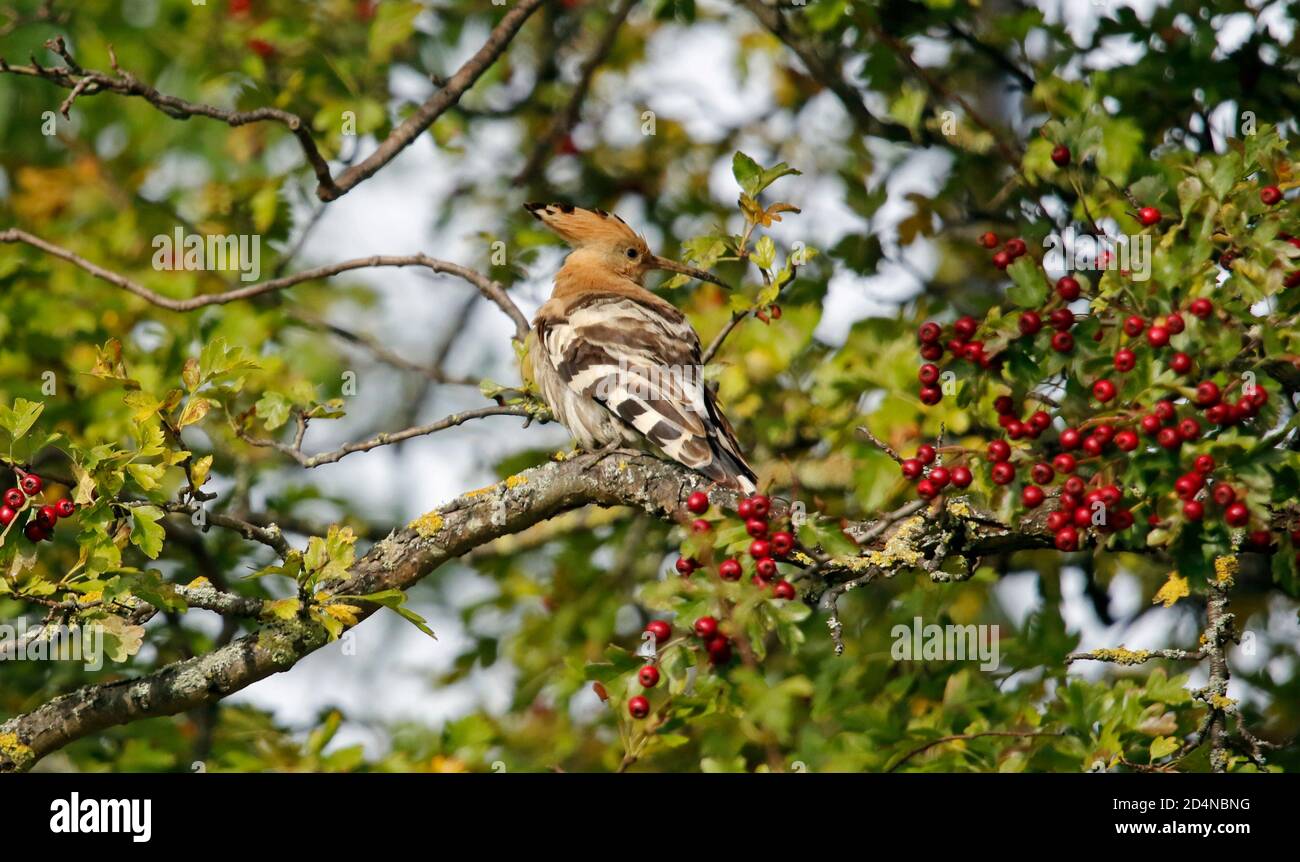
[(631, 254)]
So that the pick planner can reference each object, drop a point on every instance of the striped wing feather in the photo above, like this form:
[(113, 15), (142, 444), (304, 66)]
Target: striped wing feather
[(641, 360)]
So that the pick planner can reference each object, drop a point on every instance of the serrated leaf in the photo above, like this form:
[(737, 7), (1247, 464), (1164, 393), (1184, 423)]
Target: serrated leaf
[(146, 533)]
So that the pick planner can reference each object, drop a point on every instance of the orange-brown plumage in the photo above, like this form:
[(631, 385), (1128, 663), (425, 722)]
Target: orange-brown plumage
[(618, 365)]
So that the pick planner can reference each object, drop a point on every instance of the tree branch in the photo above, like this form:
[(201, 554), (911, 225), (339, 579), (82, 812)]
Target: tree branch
[(492, 290), (407, 555)]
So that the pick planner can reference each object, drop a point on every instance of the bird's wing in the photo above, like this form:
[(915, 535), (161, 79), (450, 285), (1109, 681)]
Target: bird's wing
[(640, 358)]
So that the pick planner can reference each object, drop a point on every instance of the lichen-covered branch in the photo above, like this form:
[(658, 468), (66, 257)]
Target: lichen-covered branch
[(471, 521)]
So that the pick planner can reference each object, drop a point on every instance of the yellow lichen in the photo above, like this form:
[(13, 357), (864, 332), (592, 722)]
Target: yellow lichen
[(427, 525), (1225, 569), (198, 582), (516, 481), (1121, 655), (12, 746), (900, 550), (1219, 701), (479, 492)]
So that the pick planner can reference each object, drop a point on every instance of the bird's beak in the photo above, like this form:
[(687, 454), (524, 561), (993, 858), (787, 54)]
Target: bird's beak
[(673, 266)]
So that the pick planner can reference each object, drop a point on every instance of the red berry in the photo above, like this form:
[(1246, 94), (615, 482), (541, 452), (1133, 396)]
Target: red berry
[(706, 627), (1064, 463), (989, 239), (1237, 515), (1157, 336), (1169, 438), (1003, 472), (30, 484), (699, 525), (261, 47), (1189, 429), (698, 502), (1067, 287), (1001, 259), (766, 568), (685, 566), (1060, 155), (1083, 516), (1066, 539), (1015, 247), (1062, 342), (1260, 540), (1223, 494), (46, 515), (1040, 420), (925, 453), (1057, 520), (661, 630), (729, 570), (1042, 473), (760, 548), (1133, 326), (14, 498), (1175, 323), (762, 506), (1164, 410), (1093, 445), (929, 332), (932, 352), (1150, 424), (928, 374), (1187, 486), (1148, 216), (931, 395), (36, 531), (1270, 195), (1125, 359), (912, 467), (783, 590), (1030, 323), (1062, 319), (939, 476), (1181, 363), (745, 508), (926, 489), (648, 676), (1103, 390), (1204, 464), (1126, 440), (757, 528), (7, 515), (965, 326), (782, 543), (1219, 414), (1003, 405), (999, 450), (719, 650), (1031, 496), (1070, 438), (1074, 485), (1201, 308), (1207, 393), (961, 477), (638, 707), (1015, 429)]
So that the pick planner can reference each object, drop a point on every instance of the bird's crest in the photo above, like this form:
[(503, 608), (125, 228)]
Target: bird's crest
[(579, 227)]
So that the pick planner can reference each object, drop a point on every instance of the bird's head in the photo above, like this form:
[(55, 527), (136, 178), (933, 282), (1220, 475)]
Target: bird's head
[(604, 240)]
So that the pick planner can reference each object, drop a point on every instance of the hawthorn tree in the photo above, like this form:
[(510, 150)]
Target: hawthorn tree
[(1021, 412)]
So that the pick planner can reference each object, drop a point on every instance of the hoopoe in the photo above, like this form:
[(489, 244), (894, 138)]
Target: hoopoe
[(616, 364)]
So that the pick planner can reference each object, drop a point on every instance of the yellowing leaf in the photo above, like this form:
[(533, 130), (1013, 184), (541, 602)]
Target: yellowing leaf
[(194, 412), (1174, 589)]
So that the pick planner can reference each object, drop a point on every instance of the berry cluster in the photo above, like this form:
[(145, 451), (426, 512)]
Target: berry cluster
[(40, 526), (1083, 456), (766, 548)]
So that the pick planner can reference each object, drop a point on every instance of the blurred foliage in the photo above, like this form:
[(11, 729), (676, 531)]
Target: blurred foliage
[(150, 407)]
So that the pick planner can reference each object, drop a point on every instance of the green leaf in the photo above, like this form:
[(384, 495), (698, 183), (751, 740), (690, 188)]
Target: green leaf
[(19, 419), (273, 409), (146, 532)]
